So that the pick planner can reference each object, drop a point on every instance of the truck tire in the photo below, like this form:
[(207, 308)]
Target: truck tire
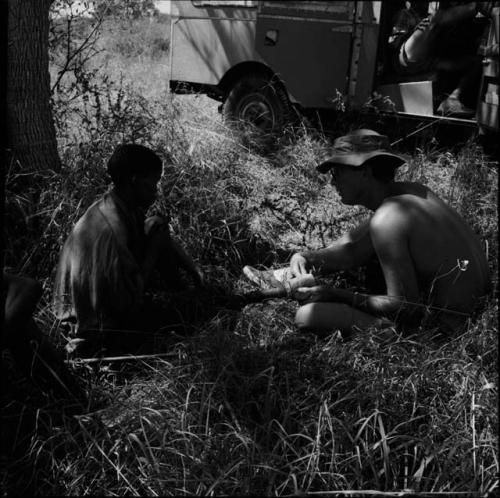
[(257, 100)]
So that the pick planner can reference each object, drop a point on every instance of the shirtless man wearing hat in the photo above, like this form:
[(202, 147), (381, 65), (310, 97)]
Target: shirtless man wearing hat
[(432, 262)]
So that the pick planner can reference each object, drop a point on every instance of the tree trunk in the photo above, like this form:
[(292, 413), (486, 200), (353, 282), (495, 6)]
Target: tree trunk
[(31, 136)]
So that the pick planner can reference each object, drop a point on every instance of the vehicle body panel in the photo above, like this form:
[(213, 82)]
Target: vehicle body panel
[(207, 41), (300, 65), (202, 52)]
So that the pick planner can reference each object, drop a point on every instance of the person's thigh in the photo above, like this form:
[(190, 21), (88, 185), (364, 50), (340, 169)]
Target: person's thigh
[(327, 317)]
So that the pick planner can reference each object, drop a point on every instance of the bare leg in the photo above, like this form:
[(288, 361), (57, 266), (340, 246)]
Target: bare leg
[(323, 318)]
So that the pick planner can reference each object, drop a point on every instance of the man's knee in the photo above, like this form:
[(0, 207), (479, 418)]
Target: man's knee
[(321, 316), (304, 318)]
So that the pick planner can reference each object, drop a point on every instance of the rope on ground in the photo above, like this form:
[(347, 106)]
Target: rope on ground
[(120, 358)]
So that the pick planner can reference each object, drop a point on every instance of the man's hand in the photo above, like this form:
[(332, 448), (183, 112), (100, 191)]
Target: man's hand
[(158, 232), (299, 265), (155, 224), (316, 294)]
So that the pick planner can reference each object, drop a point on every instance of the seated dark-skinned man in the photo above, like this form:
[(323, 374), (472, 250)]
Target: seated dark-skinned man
[(110, 256), (434, 267)]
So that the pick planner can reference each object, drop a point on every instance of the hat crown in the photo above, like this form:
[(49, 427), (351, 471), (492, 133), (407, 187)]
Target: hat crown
[(358, 147), (354, 143)]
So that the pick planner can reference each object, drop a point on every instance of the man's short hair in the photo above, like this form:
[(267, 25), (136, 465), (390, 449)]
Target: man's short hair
[(130, 160), (382, 169)]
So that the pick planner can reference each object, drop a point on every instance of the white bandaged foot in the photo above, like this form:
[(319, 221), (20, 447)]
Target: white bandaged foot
[(264, 279), (278, 279)]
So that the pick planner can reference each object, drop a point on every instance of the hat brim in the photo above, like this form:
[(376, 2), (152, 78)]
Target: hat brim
[(357, 159)]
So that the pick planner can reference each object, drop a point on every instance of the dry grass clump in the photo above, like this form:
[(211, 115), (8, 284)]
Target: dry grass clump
[(247, 405)]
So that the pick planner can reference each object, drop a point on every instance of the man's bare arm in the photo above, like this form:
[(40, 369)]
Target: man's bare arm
[(388, 232), (186, 262), (378, 305), (352, 250), (158, 231)]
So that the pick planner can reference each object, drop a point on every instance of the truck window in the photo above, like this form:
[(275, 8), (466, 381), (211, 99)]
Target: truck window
[(225, 3), (311, 8)]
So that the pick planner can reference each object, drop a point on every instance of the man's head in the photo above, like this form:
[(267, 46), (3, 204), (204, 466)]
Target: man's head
[(137, 169), (358, 160)]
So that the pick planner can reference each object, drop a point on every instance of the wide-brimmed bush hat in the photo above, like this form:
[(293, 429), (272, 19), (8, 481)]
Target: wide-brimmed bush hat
[(356, 148)]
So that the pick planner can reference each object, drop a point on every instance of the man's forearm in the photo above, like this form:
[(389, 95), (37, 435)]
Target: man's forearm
[(184, 259), (378, 305), (327, 260)]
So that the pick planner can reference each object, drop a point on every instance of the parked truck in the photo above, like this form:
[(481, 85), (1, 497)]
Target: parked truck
[(264, 60)]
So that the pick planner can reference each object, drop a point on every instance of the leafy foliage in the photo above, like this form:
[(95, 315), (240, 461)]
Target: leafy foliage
[(126, 9)]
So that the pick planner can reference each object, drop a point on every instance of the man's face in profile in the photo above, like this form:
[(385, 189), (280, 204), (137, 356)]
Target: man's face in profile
[(146, 189), (346, 181)]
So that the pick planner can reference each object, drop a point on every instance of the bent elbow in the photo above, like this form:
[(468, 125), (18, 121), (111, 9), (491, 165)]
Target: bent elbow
[(405, 312)]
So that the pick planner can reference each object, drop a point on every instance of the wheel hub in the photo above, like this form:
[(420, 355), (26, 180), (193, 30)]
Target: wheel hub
[(256, 110)]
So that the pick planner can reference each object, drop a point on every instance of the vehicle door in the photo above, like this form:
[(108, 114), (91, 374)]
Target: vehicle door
[(308, 45)]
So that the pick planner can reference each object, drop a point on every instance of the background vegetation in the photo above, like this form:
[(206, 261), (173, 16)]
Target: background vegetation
[(246, 404)]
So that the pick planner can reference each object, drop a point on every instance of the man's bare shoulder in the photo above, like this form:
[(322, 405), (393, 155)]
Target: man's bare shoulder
[(407, 198), (393, 212)]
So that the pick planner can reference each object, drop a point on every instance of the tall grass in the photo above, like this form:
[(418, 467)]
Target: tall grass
[(247, 405)]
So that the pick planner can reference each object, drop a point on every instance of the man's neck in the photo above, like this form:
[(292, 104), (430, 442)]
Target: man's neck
[(126, 196), (376, 196)]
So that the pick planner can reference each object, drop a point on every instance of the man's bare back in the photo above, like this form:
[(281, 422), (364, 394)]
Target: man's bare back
[(451, 270)]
